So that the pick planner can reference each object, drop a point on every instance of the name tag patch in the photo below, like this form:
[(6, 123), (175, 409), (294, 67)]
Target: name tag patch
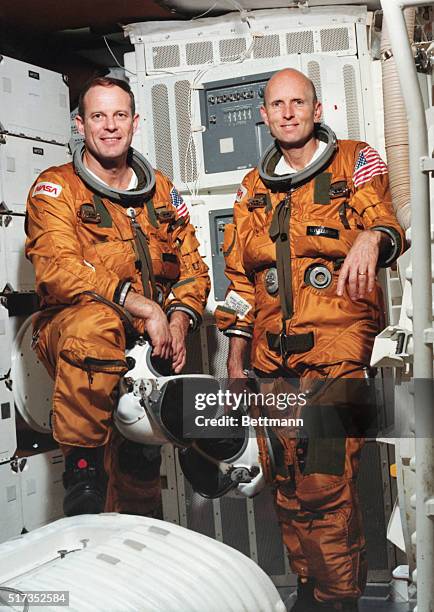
[(321, 230), (237, 303), (51, 189)]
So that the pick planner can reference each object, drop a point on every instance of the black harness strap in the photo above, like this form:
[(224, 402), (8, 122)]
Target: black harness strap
[(322, 188), (104, 217), (292, 343), (146, 269), (343, 215), (151, 212), (279, 233), (269, 206)]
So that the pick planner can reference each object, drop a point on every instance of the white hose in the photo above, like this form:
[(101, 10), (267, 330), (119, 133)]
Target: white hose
[(395, 125)]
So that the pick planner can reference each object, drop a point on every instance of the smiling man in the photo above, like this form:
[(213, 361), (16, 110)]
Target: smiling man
[(311, 225), (290, 114), (114, 256)]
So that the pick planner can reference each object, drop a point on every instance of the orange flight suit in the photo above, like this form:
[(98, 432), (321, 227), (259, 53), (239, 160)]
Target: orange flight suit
[(83, 251), (325, 336)]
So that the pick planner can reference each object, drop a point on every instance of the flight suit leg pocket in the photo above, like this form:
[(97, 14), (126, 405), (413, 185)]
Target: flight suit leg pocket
[(85, 391)]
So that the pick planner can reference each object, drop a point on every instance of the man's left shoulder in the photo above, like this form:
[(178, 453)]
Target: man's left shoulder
[(356, 147), (167, 193), (362, 161), (358, 154), (347, 146), (163, 187), (162, 181)]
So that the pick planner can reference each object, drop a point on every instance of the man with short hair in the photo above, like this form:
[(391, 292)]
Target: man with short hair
[(311, 225), (114, 256)]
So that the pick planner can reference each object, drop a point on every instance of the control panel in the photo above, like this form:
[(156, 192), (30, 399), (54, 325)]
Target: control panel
[(235, 135), (217, 221)]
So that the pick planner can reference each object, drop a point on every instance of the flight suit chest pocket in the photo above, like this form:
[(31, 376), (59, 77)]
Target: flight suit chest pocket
[(188, 246), (325, 239), (165, 261), (170, 266), (98, 220), (115, 255), (327, 188), (331, 199), (340, 197), (89, 230), (260, 209)]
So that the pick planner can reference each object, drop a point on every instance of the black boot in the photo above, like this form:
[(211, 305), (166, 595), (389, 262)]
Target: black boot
[(305, 601), (85, 481)]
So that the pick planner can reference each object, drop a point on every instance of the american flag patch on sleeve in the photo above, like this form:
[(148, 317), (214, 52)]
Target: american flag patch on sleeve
[(368, 165), (178, 203)]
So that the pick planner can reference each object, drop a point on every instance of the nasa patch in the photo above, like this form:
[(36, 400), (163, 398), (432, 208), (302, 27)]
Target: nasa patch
[(240, 193), (51, 189)]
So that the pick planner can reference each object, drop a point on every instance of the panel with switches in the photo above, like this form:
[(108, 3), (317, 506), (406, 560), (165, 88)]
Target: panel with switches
[(235, 135)]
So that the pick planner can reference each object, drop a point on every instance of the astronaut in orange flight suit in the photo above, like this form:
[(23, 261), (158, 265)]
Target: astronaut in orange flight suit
[(311, 225), (114, 255)]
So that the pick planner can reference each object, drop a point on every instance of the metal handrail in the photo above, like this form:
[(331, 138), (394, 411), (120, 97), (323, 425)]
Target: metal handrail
[(421, 295)]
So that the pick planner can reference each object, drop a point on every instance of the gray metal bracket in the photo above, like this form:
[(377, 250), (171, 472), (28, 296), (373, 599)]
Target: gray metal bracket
[(429, 505), (428, 335), (5, 214), (427, 164)]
